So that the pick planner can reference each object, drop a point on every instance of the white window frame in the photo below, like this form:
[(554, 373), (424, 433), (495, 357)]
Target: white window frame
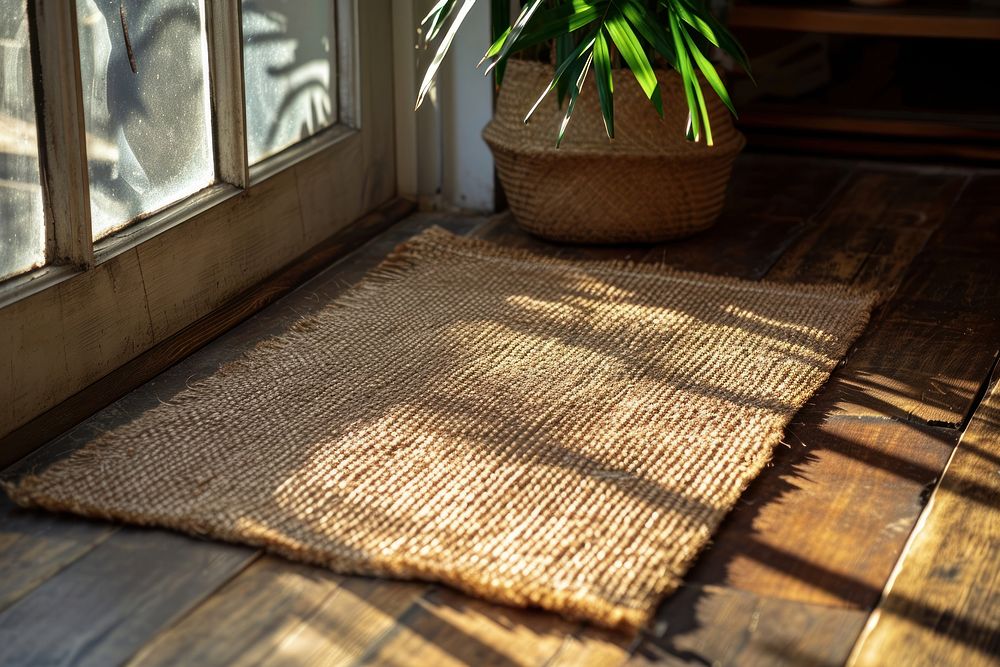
[(96, 305)]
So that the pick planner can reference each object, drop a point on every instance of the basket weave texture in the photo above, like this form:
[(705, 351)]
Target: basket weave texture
[(533, 431), (649, 184)]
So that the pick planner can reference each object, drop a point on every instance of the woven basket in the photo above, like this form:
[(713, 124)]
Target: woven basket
[(649, 184)]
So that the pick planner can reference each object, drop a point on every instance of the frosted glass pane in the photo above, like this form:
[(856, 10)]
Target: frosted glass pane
[(149, 137), (22, 222), (289, 60)]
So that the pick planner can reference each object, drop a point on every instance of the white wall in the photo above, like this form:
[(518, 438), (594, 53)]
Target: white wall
[(441, 156)]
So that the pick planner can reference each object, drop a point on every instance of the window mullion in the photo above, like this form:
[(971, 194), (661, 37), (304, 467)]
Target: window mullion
[(62, 137), (225, 63)]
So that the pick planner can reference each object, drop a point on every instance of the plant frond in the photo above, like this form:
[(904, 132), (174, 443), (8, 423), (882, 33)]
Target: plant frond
[(627, 33)]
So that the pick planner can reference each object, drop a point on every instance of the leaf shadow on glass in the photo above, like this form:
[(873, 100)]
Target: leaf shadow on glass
[(289, 66), (149, 138)]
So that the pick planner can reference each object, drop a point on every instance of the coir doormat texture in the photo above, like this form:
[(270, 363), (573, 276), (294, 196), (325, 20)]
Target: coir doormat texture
[(533, 431)]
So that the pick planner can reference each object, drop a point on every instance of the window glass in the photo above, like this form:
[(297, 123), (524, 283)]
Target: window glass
[(289, 60), (22, 223), (144, 68)]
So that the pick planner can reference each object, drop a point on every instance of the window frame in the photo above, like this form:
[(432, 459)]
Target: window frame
[(201, 251)]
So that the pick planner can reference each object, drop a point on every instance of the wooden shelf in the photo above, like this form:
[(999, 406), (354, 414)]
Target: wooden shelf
[(953, 127), (915, 19), (841, 132)]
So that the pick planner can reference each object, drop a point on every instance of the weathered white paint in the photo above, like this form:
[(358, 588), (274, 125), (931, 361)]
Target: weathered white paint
[(466, 107), (441, 157)]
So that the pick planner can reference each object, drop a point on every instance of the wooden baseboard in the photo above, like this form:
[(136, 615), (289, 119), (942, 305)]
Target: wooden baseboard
[(35, 433)]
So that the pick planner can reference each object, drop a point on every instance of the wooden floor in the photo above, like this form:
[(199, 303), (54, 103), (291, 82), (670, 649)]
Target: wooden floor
[(873, 538)]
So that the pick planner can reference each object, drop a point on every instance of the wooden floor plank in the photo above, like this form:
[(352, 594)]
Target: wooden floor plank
[(278, 612), (771, 201), (825, 523), (241, 623), (35, 547), (358, 616), (923, 368), (797, 533), (880, 215), (943, 604), (594, 647), (975, 230), (449, 628), (103, 607), (706, 625), (927, 358)]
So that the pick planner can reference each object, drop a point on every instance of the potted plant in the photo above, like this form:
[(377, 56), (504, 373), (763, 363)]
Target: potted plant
[(655, 94)]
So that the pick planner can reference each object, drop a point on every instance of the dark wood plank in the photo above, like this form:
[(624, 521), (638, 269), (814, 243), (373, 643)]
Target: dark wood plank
[(943, 604), (771, 201), (596, 647), (797, 534), (845, 146), (924, 368), (78, 407), (880, 215), (278, 612), (825, 523), (35, 546), (928, 357), (975, 229), (448, 628), (101, 609), (705, 625)]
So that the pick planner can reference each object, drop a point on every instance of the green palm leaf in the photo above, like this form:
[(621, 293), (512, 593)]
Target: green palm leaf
[(574, 93), (568, 71), (709, 71), (442, 50), (499, 25), (436, 17), (636, 30), (634, 55), (650, 29), (515, 32), (689, 79), (701, 19), (605, 83)]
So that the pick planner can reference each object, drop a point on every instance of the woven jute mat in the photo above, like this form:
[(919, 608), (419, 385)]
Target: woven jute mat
[(533, 431)]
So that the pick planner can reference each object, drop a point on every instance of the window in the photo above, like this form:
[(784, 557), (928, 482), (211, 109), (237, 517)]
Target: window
[(144, 74), (22, 225), (129, 206), (162, 112), (289, 61)]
